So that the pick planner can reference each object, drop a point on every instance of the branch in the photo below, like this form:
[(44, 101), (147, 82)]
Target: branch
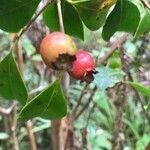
[(39, 89), (139, 98), (28, 123), (87, 104), (30, 22), (14, 127), (145, 3), (79, 100), (102, 60), (8, 110), (113, 47), (90, 113), (61, 23)]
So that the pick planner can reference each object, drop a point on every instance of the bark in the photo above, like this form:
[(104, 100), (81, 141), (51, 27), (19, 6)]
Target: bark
[(59, 133)]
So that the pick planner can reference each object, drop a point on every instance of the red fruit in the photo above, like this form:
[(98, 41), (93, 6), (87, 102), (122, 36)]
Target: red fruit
[(55, 45), (83, 66)]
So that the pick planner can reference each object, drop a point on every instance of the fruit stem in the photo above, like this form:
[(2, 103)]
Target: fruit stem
[(61, 23)]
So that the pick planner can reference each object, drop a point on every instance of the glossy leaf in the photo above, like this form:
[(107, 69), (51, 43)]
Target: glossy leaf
[(14, 14), (144, 25), (107, 77), (144, 90), (72, 23), (124, 17), (93, 13), (11, 84), (49, 104)]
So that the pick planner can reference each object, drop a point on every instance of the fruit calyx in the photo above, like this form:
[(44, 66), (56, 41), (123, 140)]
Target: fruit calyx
[(83, 67)]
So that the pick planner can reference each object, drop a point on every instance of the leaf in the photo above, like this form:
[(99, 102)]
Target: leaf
[(142, 143), (107, 77), (144, 25), (132, 127), (114, 61), (14, 14), (3, 136), (72, 23), (93, 13), (49, 104), (124, 17), (144, 90), (11, 84)]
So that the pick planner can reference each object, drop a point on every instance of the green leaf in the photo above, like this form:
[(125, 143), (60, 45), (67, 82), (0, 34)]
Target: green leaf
[(114, 61), (3, 136), (11, 84), (107, 77), (132, 127), (49, 104), (143, 142), (144, 90), (124, 17), (14, 14), (144, 25), (72, 23), (93, 13)]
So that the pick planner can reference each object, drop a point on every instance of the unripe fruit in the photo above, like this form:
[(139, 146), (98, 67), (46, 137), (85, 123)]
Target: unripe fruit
[(57, 45), (83, 67)]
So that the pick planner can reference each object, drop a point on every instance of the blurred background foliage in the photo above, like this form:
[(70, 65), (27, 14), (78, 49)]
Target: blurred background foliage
[(99, 119)]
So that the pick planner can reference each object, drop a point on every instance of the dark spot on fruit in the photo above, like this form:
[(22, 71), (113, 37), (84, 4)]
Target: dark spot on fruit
[(64, 62), (88, 77)]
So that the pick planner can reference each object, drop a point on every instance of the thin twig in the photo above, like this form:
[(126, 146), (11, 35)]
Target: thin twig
[(80, 99), (87, 104), (102, 60), (7, 111), (139, 98), (30, 22), (31, 136), (28, 123), (39, 89), (113, 47), (90, 112), (14, 127), (121, 103), (145, 4), (61, 23), (59, 127)]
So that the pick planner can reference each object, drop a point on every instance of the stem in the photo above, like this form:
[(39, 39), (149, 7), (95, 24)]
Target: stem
[(102, 60), (31, 136), (146, 4), (113, 47), (87, 104), (14, 127), (121, 104), (79, 100), (61, 23), (28, 123), (59, 128), (18, 36)]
